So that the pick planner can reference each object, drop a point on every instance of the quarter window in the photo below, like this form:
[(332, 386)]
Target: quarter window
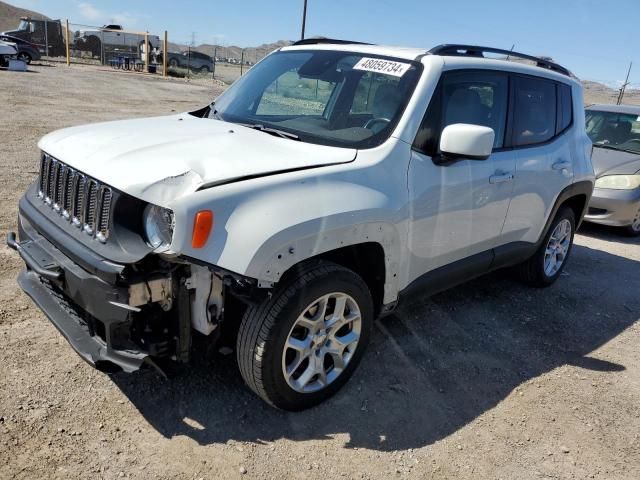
[(535, 111), (565, 108)]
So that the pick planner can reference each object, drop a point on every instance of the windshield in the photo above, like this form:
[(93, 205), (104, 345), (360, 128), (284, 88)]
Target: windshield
[(24, 26), (325, 97), (619, 131)]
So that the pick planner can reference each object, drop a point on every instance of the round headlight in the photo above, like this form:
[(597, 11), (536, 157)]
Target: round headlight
[(158, 227), (619, 182)]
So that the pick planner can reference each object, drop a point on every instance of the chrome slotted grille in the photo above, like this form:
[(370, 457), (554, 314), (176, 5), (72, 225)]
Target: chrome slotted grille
[(83, 201)]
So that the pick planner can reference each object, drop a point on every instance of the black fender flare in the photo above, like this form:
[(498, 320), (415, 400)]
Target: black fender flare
[(584, 187)]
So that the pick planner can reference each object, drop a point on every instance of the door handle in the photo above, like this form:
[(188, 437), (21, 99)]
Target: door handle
[(561, 165), (501, 177)]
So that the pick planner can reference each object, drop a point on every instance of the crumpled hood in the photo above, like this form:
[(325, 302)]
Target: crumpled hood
[(164, 158), (612, 162)]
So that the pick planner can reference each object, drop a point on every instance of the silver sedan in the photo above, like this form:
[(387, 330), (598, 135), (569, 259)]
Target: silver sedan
[(615, 133)]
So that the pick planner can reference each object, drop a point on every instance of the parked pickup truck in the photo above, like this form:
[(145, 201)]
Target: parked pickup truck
[(332, 182), (112, 37)]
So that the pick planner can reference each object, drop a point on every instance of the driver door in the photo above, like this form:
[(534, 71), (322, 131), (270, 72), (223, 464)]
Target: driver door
[(458, 209)]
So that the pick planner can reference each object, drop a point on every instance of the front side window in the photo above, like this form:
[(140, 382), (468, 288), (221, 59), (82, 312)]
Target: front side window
[(473, 97), (619, 131), (327, 97), (534, 112)]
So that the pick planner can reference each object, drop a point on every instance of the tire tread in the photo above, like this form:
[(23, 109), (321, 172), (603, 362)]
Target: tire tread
[(531, 271), (261, 318)]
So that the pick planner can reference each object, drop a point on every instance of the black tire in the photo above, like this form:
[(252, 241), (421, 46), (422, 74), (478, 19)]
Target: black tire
[(173, 63), (204, 69), (630, 231), (265, 328), (94, 46), (532, 272), (25, 57)]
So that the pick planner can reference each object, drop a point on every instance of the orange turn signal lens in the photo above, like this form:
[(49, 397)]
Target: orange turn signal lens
[(202, 226)]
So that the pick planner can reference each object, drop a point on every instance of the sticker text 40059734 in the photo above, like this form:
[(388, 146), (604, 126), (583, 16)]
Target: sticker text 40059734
[(397, 69)]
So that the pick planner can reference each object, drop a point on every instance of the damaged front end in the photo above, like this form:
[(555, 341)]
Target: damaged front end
[(146, 317), (120, 305)]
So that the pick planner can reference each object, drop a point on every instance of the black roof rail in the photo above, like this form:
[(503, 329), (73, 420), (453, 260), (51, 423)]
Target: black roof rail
[(324, 40), (477, 51)]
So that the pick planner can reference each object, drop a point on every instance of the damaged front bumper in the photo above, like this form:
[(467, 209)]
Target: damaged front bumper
[(80, 334), (94, 315)]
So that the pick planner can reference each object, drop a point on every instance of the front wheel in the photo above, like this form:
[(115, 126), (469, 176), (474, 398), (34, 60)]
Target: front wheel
[(298, 347), (633, 230), (25, 57), (546, 265)]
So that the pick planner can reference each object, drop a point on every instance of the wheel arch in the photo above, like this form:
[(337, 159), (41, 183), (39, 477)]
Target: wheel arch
[(577, 203), (576, 196), (365, 259), (349, 246)]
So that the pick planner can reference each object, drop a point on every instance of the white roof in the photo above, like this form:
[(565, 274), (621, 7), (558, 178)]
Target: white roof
[(389, 51), (406, 53)]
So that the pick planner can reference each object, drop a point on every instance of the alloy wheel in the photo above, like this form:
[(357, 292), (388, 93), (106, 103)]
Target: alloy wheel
[(557, 248), (321, 342)]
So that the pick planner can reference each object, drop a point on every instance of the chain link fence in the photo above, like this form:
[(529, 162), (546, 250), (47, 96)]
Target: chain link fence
[(112, 46)]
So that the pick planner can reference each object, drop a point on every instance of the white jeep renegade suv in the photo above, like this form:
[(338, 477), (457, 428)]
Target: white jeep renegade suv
[(318, 190)]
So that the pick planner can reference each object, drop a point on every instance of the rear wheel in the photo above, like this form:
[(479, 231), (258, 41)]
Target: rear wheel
[(546, 265), (204, 69), (298, 347), (173, 63)]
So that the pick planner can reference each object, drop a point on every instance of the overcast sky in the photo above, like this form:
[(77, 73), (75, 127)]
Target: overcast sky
[(593, 38)]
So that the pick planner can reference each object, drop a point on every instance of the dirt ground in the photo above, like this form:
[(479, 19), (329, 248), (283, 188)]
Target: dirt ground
[(491, 380)]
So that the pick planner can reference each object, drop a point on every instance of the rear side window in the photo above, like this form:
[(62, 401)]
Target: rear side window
[(534, 112), (565, 108)]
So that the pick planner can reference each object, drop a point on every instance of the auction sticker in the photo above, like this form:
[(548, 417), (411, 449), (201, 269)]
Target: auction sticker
[(397, 69)]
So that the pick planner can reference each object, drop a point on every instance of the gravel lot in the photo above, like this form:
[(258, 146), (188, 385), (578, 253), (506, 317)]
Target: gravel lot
[(490, 380)]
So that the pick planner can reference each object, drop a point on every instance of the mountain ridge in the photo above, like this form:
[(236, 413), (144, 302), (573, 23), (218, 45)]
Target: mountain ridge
[(10, 16)]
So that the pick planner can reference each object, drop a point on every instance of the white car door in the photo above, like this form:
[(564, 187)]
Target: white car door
[(458, 209), (545, 156)]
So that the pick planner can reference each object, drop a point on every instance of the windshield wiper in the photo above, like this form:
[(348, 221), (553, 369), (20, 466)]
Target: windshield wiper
[(271, 131)]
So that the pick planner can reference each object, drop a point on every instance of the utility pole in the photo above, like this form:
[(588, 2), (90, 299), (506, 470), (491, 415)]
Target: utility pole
[(624, 85), (304, 19), (215, 59), (512, 47)]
